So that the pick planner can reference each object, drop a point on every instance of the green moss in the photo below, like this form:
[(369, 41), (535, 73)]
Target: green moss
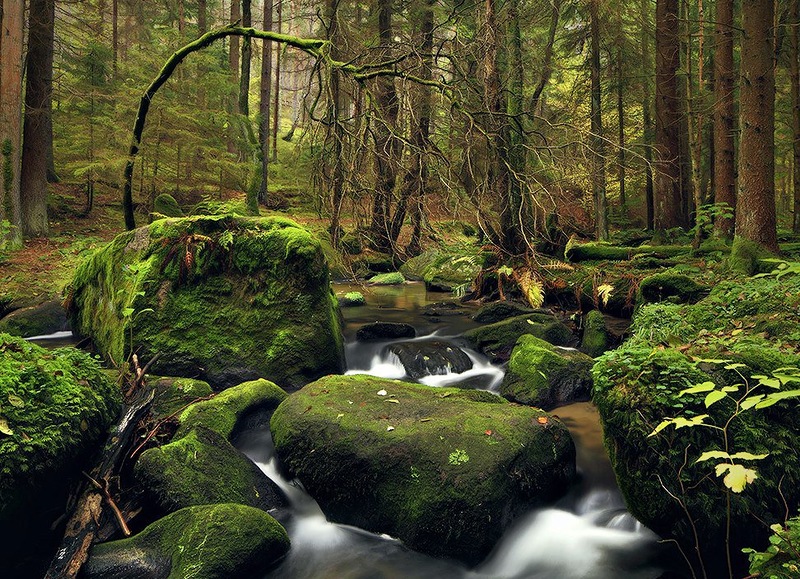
[(498, 339), (173, 394), (385, 465), (222, 412), (600, 251), (202, 468), (447, 268), (635, 388), (595, 339), (166, 205), (746, 256), (39, 320), (212, 294), (352, 299), (392, 278), (670, 286), (54, 406), (542, 375), (203, 542)]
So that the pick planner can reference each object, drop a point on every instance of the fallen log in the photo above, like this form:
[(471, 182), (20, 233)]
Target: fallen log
[(89, 516)]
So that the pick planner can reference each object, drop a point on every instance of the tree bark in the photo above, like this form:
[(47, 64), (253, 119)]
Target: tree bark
[(38, 103), (263, 107), (667, 193), (334, 129), (202, 16), (794, 79), (696, 105), (647, 121), (598, 145), (276, 95), (233, 62), (724, 111), (387, 147), (247, 52), (11, 40), (755, 206)]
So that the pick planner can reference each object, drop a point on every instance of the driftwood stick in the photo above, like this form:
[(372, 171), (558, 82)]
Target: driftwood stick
[(103, 488), (86, 520)]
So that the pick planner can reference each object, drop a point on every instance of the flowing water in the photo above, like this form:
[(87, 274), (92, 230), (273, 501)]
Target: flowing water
[(586, 534)]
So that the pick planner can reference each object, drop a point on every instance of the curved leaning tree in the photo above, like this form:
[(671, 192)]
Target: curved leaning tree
[(312, 46)]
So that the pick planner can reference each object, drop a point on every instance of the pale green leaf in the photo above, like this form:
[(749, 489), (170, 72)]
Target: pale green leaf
[(735, 366), (712, 454), (713, 397), (776, 397), (738, 476), (662, 425), (680, 421), (733, 388), (704, 387), (4, 427), (749, 456), (16, 401), (751, 401), (127, 312)]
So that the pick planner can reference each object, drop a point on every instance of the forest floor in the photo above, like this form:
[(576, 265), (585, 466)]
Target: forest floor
[(40, 270)]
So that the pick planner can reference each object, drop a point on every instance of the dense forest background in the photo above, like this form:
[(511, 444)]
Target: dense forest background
[(535, 119)]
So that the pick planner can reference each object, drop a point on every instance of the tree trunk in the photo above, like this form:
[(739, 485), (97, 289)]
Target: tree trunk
[(263, 107), (387, 147), (667, 194), (696, 108), (38, 102), (202, 16), (598, 146), (724, 153), (114, 35), (244, 75), (794, 68), (335, 131), (233, 62), (755, 207), (647, 121), (623, 201), (11, 40), (277, 89)]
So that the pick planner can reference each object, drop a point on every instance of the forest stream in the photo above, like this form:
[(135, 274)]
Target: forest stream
[(587, 533)]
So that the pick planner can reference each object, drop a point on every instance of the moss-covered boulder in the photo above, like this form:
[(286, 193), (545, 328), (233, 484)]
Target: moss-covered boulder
[(212, 542), (352, 300), (200, 466), (223, 298), (540, 374), (391, 278), (603, 251), (55, 409), (498, 339), (721, 341), (203, 468), (499, 311), (430, 358), (446, 268), (670, 286), (46, 318), (172, 395), (165, 205), (596, 338), (442, 469)]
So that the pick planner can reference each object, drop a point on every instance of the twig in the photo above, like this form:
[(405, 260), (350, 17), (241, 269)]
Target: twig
[(103, 488), (161, 422)]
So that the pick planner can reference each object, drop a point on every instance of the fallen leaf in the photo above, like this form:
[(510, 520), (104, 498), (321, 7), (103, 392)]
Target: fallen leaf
[(382, 393), (425, 419), (394, 400), (542, 420), (389, 428), (16, 401), (4, 427), (339, 416), (487, 432)]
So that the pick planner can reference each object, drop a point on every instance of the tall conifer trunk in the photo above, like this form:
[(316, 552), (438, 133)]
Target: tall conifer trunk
[(724, 122), (755, 206)]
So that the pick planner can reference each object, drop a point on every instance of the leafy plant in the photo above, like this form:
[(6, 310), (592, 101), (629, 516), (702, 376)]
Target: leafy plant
[(457, 457), (782, 557)]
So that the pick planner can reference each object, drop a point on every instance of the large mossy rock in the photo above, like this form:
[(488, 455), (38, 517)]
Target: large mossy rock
[(46, 318), (442, 469), (741, 330), (596, 338), (222, 298), (208, 542), (670, 286), (200, 466), (540, 374), (498, 339), (446, 268), (55, 409)]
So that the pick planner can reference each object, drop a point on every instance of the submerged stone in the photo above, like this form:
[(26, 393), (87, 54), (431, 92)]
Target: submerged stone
[(444, 470), (431, 357), (211, 541), (377, 331), (222, 298)]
